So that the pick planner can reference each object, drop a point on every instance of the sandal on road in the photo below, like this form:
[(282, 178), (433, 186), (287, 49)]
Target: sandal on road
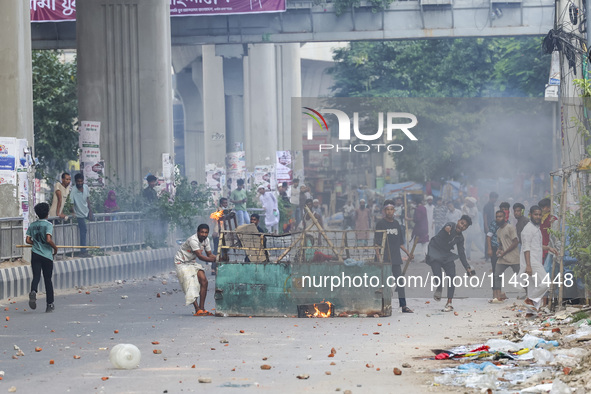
[(448, 308), (203, 312), (406, 309)]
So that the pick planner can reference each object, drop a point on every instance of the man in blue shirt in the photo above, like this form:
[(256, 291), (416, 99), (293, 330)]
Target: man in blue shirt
[(80, 196), (39, 234)]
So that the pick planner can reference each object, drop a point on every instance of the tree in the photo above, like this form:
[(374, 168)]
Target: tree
[(480, 132), (55, 109)]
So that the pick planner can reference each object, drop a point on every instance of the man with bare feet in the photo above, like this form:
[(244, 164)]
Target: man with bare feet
[(190, 272)]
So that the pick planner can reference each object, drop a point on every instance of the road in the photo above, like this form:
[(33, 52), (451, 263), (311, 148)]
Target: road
[(90, 321)]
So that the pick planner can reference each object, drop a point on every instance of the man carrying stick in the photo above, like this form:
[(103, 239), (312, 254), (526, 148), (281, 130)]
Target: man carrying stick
[(394, 244), (39, 234)]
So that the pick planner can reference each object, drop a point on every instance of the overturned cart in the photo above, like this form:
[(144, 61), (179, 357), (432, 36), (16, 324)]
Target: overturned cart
[(310, 273)]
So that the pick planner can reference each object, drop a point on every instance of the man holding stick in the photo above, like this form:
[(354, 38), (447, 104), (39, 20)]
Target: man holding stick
[(39, 234), (394, 243)]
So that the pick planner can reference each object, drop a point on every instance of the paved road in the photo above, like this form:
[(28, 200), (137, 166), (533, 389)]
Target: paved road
[(84, 325)]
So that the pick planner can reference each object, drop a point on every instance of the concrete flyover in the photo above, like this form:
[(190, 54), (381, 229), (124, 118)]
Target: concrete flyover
[(306, 22)]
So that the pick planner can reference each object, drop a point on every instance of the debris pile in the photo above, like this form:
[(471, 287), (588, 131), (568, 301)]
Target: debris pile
[(540, 356)]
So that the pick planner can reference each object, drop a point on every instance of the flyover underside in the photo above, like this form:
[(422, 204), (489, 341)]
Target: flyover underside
[(303, 22)]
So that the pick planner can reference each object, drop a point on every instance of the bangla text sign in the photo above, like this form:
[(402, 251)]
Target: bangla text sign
[(65, 10)]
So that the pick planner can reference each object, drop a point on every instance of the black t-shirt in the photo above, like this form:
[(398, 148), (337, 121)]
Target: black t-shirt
[(393, 240)]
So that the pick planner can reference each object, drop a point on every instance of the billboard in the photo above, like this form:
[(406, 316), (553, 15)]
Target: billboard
[(65, 10)]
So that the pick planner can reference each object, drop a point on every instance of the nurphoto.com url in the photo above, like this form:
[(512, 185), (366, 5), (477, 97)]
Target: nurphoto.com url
[(430, 281)]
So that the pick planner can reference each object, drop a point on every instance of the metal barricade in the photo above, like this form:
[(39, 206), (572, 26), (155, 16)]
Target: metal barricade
[(11, 234), (110, 231)]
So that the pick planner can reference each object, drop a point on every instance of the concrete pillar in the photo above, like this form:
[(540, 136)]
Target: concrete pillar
[(289, 85), (189, 86), (16, 92), (233, 94), (261, 105), (124, 81), (214, 118)]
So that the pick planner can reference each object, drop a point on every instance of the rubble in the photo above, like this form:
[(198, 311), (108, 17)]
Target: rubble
[(534, 357)]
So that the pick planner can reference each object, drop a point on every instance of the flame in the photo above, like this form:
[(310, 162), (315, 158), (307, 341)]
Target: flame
[(318, 313), (217, 215)]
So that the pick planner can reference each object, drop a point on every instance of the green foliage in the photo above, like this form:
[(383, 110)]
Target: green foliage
[(182, 210), (252, 197), (128, 197), (580, 316), (452, 146), (464, 67), (578, 235), (584, 86), (55, 112), (343, 6)]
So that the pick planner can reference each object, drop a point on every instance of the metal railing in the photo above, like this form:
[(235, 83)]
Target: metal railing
[(110, 231)]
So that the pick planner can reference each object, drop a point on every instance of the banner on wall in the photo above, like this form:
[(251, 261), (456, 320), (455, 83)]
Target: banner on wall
[(90, 155), (264, 176), (94, 173), (215, 177), (283, 167), (65, 10), (235, 168), (90, 134), (8, 153)]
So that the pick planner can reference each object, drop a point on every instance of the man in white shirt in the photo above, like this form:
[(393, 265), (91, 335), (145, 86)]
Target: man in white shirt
[(531, 260), (61, 190), (269, 204), (453, 214), (190, 272)]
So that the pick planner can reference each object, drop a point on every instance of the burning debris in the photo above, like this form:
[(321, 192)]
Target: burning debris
[(323, 309)]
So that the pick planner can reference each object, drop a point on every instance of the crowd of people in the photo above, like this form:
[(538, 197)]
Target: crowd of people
[(441, 232)]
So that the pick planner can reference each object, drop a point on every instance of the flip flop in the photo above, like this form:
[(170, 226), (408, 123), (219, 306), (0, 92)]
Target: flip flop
[(203, 312)]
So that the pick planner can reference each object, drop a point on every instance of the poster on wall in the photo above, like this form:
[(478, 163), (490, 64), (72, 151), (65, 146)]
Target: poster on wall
[(283, 166), (23, 192), (235, 167), (215, 177), (265, 176), (8, 153), (7, 177), (23, 158), (167, 168), (90, 134), (90, 155), (94, 173)]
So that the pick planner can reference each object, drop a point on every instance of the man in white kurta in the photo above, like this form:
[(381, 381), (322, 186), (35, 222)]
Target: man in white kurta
[(269, 204), (531, 261)]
